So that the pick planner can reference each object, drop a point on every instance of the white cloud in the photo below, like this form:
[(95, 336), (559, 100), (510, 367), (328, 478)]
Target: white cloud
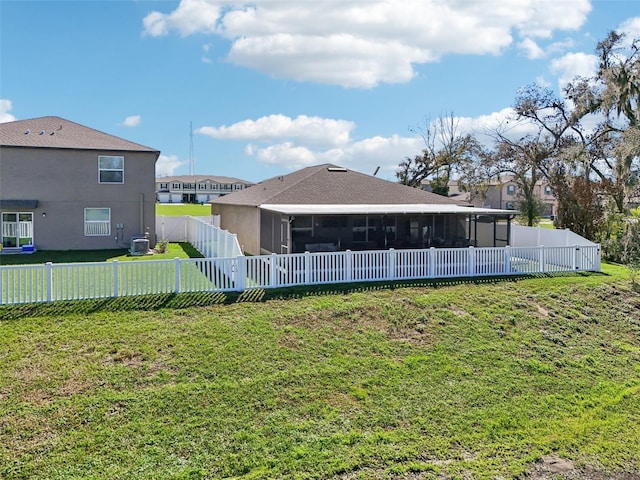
[(631, 27), (191, 16), (364, 43), (534, 51), (572, 65), (365, 155), (294, 152), (5, 108), (167, 164), (287, 155), (543, 82), (531, 49), (303, 128), (132, 121), (205, 53)]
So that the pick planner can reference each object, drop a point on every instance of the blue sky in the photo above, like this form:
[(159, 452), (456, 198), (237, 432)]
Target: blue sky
[(270, 86)]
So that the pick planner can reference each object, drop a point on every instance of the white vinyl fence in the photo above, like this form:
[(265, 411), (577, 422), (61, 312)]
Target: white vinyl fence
[(210, 240), (203, 233), (522, 236), (174, 229), (76, 281)]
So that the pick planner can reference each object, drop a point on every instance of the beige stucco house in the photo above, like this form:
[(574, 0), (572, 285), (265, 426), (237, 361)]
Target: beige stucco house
[(331, 208), (64, 186), (501, 193)]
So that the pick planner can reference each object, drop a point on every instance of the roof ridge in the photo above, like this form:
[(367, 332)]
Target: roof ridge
[(72, 127), (314, 169)]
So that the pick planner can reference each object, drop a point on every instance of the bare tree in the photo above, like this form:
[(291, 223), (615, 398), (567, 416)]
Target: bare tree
[(446, 151)]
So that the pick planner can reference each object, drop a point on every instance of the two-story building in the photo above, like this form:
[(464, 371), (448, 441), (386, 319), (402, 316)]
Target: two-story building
[(196, 188), (64, 186), (501, 193)]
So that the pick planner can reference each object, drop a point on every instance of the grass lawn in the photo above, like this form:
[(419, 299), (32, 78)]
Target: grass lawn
[(546, 223), (433, 380), (180, 250), (181, 209)]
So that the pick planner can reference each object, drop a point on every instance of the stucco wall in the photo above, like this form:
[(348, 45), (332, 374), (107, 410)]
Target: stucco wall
[(243, 221), (65, 182)]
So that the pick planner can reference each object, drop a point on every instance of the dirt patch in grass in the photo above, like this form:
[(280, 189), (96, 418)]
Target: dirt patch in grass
[(552, 467)]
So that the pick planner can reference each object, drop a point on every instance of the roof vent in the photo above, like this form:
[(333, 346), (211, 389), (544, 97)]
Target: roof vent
[(336, 169), (41, 132), (27, 132)]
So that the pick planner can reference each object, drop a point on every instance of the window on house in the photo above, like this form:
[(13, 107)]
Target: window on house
[(547, 190), (175, 186), (509, 206), (511, 189), (97, 222), (164, 186), (110, 169)]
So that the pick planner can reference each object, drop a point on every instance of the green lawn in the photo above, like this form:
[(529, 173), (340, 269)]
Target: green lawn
[(180, 250), (434, 380), (194, 210), (546, 223)]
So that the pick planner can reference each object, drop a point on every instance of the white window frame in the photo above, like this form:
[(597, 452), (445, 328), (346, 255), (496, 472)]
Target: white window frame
[(97, 228), (100, 169), (511, 189)]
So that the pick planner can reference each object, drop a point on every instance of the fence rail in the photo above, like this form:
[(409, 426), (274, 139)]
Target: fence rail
[(77, 281)]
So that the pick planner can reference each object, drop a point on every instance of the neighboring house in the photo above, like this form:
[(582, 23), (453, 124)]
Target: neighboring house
[(196, 188), (327, 208), (64, 186), (501, 193)]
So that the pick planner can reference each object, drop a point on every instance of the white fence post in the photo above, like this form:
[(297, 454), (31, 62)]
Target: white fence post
[(116, 287), (272, 265), (391, 272), (541, 258), (235, 240), (307, 268), (348, 265), (241, 274), (507, 259), (432, 262), (471, 261), (48, 267), (178, 285)]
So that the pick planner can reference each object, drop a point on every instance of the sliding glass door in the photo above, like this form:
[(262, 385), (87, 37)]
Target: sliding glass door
[(17, 229)]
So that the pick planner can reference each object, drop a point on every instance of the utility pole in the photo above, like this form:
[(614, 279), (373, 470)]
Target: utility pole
[(191, 161)]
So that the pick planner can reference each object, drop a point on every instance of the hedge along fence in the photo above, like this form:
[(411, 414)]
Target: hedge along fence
[(78, 281)]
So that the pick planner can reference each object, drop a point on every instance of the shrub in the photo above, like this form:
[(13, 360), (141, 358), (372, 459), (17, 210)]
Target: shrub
[(161, 246)]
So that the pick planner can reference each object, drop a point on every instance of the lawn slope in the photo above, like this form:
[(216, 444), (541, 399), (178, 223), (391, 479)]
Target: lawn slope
[(469, 380)]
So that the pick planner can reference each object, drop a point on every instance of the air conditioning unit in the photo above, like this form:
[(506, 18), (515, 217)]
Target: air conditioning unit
[(140, 246)]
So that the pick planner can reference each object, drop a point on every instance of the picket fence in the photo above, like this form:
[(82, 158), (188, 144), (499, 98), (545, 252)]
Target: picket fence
[(77, 281)]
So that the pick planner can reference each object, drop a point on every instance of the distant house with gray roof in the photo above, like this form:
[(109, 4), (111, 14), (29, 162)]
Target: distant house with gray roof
[(64, 186), (196, 188), (329, 208)]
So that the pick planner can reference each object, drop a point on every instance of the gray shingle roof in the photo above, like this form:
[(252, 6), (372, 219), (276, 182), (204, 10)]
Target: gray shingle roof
[(330, 185), (56, 132), (200, 178)]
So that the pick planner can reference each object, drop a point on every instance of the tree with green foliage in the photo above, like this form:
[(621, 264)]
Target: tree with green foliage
[(613, 95)]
